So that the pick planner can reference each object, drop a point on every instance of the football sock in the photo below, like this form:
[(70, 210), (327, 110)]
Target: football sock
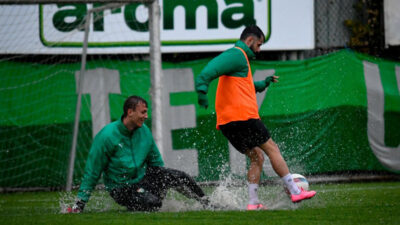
[(291, 185), (253, 196)]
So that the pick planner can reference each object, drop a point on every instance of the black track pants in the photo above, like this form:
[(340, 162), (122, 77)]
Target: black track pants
[(147, 195)]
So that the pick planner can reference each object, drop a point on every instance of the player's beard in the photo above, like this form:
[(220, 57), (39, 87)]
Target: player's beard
[(253, 46)]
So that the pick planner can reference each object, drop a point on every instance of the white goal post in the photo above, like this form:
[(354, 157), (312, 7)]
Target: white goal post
[(155, 65)]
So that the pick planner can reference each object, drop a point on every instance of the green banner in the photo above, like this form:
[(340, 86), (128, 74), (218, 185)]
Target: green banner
[(335, 113)]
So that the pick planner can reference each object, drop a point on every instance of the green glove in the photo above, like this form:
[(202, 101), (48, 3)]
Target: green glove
[(202, 99), (268, 80)]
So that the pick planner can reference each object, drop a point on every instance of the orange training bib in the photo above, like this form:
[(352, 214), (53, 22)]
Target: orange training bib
[(236, 98)]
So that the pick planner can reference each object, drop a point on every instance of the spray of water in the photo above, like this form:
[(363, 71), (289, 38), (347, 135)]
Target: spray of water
[(99, 202), (65, 200), (229, 194)]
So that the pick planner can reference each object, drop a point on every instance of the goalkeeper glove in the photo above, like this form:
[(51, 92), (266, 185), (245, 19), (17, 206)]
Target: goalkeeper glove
[(202, 99), (77, 207)]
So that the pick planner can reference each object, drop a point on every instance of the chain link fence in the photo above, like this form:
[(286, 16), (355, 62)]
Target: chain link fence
[(330, 30)]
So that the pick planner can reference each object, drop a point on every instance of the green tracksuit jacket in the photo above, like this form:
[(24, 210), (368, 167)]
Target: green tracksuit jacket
[(231, 62), (121, 156)]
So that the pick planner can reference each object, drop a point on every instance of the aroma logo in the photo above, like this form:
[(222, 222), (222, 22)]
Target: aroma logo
[(183, 22)]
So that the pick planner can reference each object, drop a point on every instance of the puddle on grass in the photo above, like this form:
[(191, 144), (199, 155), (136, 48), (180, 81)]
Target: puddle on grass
[(229, 194), (232, 194), (99, 202)]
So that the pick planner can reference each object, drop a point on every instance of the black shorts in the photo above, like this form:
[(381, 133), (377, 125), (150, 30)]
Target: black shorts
[(244, 135)]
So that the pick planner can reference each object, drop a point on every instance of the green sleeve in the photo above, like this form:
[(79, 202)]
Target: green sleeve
[(231, 62), (260, 85), (154, 158), (95, 164)]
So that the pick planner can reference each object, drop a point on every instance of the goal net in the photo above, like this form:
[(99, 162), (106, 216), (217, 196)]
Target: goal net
[(42, 56)]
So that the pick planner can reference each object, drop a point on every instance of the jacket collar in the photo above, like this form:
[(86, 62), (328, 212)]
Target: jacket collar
[(249, 52), (122, 128)]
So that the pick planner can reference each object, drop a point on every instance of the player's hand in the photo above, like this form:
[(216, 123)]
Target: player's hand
[(270, 79), (77, 207), (202, 99)]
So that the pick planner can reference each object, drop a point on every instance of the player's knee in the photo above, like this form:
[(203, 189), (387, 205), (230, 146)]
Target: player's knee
[(256, 156), (272, 150)]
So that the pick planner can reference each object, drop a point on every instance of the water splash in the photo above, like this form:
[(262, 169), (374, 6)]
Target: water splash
[(230, 193), (99, 202), (275, 197), (65, 200)]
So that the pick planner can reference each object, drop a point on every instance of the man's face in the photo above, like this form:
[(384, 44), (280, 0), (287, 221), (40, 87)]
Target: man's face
[(138, 116), (254, 43)]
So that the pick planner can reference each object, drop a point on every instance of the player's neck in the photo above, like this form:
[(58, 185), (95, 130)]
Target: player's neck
[(128, 124)]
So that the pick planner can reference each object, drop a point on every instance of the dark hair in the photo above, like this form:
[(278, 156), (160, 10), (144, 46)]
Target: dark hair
[(252, 30), (131, 103)]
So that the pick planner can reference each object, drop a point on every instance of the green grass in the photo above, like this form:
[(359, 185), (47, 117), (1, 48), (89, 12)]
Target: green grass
[(355, 203)]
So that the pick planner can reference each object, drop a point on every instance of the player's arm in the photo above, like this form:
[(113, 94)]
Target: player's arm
[(96, 162), (154, 157), (263, 84)]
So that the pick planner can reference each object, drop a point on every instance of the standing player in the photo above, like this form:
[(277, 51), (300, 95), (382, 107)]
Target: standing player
[(237, 112), (125, 154)]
